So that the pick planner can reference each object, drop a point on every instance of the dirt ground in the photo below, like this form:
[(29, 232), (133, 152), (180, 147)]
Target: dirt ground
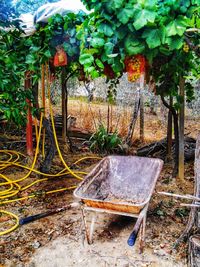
[(58, 240)]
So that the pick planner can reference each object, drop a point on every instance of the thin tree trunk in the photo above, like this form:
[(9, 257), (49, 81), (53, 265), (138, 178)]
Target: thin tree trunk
[(64, 108), (176, 134), (194, 251), (169, 131), (108, 118), (181, 130), (193, 217), (29, 130), (141, 108), (141, 118), (134, 118)]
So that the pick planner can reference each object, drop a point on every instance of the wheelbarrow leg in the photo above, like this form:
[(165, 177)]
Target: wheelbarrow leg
[(92, 227), (87, 234), (142, 234)]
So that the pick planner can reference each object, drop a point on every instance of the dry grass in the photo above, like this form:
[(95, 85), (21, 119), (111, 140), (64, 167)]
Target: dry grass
[(89, 116)]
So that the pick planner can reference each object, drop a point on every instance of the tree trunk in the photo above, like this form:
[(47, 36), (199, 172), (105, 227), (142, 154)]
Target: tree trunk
[(141, 117), (169, 131), (108, 118), (181, 130), (194, 251), (134, 118), (29, 130), (176, 134), (193, 217), (64, 106), (141, 108)]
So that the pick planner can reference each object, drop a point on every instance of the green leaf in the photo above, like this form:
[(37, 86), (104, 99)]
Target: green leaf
[(106, 29), (97, 42), (133, 46), (143, 17), (118, 3), (125, 14), (99, 63), (177, 26), (175, 42), (47, 53), (94, 74), (108, 47), (86, 59), (117, 66), (154, 37)]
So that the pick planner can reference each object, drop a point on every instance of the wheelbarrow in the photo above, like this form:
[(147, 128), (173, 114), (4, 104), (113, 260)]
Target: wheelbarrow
[(121, 185)]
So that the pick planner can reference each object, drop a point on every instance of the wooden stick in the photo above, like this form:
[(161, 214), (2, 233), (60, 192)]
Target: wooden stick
[(197, 205), (190, 197)]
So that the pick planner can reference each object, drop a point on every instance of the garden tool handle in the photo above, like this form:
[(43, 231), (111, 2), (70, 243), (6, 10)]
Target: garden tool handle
[(34, 218), (47, 213)]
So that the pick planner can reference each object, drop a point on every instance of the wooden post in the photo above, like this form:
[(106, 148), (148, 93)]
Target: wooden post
[(141, 108), (29, 130), (181, 129)]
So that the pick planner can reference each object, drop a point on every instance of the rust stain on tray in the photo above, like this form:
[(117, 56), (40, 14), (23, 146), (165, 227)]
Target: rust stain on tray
[(122, 183)]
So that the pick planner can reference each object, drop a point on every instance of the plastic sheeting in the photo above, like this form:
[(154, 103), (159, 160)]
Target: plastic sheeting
[(27, 24), (62, 7), (46, 11)]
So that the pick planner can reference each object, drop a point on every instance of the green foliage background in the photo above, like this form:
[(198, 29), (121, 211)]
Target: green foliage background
[(115, 29)]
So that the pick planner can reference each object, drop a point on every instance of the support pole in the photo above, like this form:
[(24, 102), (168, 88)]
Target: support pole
[(29, 130), (181, 129)]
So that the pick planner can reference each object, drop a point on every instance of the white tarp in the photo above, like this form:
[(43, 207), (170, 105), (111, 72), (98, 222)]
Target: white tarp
[(27, 24), (47, 11), (61, 7)]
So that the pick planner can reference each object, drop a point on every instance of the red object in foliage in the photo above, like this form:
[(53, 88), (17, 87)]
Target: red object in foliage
[(135, 66), (60, 58)]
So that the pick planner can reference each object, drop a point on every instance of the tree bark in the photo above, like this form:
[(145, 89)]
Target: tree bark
[(193, 217), (194, 251), (181, 130), (141, 108), (176, 133), (169, 131), (29, 130), (134, 118), (64, 105)]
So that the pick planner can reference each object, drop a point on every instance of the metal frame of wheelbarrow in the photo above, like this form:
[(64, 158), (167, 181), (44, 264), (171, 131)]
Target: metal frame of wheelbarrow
[(139, 227), (107, 177)]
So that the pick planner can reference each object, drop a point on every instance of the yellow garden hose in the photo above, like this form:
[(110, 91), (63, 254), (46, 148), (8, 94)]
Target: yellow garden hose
[(13, 185)]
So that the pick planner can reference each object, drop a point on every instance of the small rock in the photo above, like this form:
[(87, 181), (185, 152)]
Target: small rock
[(160, 252), (36, 244), (162, 245)]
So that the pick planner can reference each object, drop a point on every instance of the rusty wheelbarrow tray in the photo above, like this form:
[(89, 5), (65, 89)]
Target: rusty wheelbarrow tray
[(120, 185)]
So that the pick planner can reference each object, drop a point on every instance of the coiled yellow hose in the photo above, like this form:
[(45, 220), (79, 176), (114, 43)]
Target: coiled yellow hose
[(13, 185)]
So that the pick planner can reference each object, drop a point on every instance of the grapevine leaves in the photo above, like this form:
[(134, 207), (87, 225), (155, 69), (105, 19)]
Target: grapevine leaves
[(143, 17), (177, 26)]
